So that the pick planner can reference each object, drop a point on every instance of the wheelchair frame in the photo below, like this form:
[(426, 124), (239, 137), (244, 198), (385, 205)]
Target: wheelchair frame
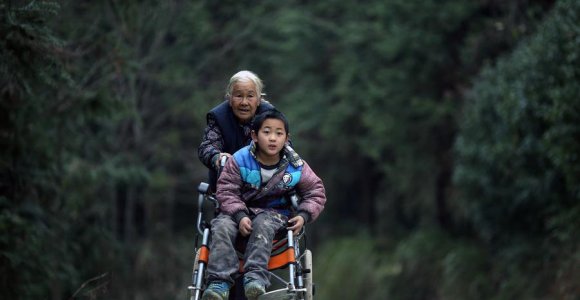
[(299, 285)]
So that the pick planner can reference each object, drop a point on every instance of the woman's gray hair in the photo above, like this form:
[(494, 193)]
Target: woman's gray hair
[(244, 76)]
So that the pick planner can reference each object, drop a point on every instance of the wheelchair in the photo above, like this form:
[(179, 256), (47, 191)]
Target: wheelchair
[(289, 253)]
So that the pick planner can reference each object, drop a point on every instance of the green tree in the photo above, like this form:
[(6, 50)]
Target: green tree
[(375, 89), (46, 250), (517, 166), (103, 106)]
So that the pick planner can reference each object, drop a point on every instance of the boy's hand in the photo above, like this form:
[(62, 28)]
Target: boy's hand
[(245, 226), (296, 224)]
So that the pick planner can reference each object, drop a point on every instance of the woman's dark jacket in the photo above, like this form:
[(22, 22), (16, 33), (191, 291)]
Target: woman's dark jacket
[(224, 134)]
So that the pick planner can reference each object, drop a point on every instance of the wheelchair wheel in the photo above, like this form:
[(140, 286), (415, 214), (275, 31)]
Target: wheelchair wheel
[(308, 283)]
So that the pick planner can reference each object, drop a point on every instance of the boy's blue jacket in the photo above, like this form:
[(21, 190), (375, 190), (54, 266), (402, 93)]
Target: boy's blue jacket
[(240, 191)]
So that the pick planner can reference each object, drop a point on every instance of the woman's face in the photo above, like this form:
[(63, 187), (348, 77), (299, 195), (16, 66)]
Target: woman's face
[(244, 100)]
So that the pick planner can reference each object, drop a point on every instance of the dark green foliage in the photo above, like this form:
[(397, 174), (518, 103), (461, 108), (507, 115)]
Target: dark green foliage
[(465, 272), (424, 264), (103, 105), (352, 258), (43, 114), (518, 167), (518, 146), (379, 85)]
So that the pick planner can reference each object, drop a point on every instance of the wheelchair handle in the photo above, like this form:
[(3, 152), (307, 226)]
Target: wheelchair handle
[(202, 190)]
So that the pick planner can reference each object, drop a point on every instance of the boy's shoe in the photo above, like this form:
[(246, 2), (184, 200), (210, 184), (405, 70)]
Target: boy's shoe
[(217, 290), (253, 288)]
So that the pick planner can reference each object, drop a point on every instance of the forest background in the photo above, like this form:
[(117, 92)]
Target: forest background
[(447, 134)]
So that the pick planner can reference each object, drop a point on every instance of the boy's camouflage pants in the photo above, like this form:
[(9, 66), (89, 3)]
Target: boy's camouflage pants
[(223, 261)]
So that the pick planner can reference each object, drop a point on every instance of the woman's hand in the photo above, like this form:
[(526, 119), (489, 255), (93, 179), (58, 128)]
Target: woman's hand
[(296, 224), (245, 226)]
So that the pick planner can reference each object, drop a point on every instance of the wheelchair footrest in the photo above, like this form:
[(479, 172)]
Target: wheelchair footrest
[(281, 294)]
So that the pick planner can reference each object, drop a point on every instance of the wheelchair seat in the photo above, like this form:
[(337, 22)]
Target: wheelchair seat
[(288, 252), (281, 254)]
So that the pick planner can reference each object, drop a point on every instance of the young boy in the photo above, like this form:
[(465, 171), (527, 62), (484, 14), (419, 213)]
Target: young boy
[(251, 191)]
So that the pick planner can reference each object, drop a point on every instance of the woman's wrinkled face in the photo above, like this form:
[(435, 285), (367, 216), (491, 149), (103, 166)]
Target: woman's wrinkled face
[(244, 100)]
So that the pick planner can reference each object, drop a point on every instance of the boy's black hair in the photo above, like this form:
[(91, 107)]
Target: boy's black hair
[(269, 114)]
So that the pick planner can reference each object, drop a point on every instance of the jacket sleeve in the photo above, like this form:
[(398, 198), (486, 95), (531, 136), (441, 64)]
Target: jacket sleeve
[(311, 189), (229, 191), (212, 143)]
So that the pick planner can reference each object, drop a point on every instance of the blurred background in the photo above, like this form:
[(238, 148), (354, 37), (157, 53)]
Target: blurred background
[(447, 134)]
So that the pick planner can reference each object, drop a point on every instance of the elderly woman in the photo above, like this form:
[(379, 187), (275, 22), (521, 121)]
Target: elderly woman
[(228, 124)]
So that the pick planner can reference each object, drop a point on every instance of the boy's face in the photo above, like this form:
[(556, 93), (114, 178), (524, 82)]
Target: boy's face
[(244, 100), (270, 140)]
